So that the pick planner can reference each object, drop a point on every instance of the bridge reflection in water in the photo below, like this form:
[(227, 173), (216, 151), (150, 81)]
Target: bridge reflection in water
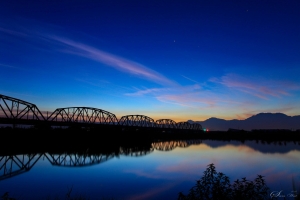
[(76, 159), (170, 145), (13, 165)]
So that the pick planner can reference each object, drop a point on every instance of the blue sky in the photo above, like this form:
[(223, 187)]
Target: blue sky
[(164, 59)]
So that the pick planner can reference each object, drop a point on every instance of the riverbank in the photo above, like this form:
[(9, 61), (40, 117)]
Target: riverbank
[(14, 141)]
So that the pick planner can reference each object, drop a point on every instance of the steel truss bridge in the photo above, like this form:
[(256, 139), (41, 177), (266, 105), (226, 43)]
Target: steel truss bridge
[(15, 111)]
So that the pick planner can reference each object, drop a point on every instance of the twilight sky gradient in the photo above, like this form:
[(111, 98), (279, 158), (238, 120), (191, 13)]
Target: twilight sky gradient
[(164, 59)]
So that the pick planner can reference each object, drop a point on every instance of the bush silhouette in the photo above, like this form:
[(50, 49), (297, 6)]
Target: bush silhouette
[(215, 185)]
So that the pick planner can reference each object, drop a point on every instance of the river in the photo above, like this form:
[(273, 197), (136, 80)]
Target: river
[(158, 171)]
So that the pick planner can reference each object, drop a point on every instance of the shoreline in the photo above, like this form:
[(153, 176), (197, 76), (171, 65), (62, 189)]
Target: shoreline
[(14, 141)]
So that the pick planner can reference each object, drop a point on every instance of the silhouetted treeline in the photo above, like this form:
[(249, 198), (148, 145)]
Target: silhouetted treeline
[(108, 140), (215, 185)]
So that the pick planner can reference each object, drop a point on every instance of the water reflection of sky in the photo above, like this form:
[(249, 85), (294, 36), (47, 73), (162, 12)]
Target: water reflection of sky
[(160, 174)]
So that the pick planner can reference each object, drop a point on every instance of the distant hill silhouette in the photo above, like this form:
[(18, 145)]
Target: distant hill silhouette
[(259, 121), (279, 147)]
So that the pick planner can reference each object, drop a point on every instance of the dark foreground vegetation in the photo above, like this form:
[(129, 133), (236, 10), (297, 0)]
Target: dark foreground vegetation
[(216, 185)]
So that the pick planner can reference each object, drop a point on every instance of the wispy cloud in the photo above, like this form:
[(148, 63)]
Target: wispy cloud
[(93, 53), (193, 96), (108, 59), (188, 99), (257, 87), (13, 32), (189, 79), (151, 91)]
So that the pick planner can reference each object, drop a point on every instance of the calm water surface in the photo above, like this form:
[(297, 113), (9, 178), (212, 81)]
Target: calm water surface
[(157, 173)]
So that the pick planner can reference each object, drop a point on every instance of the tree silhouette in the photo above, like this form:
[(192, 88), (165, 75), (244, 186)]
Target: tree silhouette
[(215, 185)]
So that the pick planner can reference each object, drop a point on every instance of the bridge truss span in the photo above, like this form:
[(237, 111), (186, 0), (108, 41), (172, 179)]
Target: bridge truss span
[(166, 123), (16, 109), (196, 126), (137, 120), (189, 126), (184, 125), (83, 115)]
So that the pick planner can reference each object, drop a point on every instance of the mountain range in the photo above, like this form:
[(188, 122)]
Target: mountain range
[(259, 121), (279, 147)]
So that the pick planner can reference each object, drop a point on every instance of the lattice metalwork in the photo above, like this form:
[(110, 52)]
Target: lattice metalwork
[(196, 126), (169, 145), (83, 115), (137, 120), (193, 142), (184, 125), (14, 165), (77, 160), (166, 123), (13, 108), (135, 152)]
